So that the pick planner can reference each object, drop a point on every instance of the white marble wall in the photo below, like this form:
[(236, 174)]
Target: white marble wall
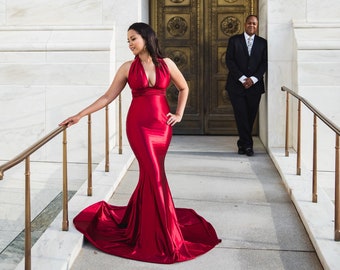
[(46, 75), (280, 61), (317, 65), (60, 12), (40, 71), (303, 70), (135, 11), (55, 58), (322, 11), (263, 115)]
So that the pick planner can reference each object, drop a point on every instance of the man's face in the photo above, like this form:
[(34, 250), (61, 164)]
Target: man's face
[(251, 26)]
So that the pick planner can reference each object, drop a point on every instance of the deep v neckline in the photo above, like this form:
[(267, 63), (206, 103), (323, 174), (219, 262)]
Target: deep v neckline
[(146, 76)]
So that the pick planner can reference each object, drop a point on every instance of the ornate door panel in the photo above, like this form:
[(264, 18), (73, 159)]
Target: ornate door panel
[(194, 34)]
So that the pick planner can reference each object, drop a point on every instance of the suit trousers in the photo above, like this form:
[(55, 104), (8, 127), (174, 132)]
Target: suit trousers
[(245, 108)]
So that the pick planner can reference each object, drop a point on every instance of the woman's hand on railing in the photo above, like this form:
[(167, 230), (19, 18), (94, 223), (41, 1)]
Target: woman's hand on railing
[(70, 121)]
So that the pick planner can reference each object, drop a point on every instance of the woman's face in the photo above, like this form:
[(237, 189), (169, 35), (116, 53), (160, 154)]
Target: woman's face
[(136, 42)]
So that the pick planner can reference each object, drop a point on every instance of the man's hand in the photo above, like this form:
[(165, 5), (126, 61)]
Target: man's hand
[(248, 83)]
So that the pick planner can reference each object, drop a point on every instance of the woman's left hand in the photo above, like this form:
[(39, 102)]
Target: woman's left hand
[(173, 119)]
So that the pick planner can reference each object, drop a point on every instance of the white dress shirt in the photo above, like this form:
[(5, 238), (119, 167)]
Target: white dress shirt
[(251, 42)]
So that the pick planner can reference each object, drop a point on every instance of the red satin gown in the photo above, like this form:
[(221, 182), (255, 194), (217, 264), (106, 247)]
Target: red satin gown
[(149, 228)]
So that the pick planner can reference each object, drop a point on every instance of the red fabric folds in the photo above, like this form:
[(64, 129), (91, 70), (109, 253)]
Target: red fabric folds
[(149, 228)]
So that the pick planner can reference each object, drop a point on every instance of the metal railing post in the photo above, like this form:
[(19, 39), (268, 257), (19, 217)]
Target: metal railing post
[(287, 126), (120, 151), (65, 223), (337, 189), (315, 160), (89, 157), (28, 234), (26, 156), (107, 142), (298, 150), (336, 129)]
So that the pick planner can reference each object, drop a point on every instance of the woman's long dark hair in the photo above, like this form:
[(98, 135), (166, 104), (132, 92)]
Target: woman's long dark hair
[(151, 40)]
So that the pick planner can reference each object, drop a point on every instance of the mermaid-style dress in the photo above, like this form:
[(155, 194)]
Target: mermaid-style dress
[(149, 228)]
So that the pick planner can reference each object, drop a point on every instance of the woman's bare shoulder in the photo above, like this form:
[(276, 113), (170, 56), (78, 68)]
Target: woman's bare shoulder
[(125, 67), (171, 64), (127, 64), (168, 61)]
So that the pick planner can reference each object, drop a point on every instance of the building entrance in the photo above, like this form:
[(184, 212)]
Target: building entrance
[(194, 34)]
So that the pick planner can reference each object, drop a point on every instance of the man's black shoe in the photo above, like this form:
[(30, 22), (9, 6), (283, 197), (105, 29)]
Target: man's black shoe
[(249, 152), (241, 151)]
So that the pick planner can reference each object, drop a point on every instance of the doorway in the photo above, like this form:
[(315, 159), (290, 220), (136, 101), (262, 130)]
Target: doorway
[(194, 34)]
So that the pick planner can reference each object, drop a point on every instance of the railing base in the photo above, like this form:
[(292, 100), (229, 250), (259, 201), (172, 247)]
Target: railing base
[(315, 198), (337, 236)]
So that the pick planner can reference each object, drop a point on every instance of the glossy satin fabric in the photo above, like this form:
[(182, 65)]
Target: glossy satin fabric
[(149, 228)]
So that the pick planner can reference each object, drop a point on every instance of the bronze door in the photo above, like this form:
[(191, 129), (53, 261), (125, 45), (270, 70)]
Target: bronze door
[(194, 34)]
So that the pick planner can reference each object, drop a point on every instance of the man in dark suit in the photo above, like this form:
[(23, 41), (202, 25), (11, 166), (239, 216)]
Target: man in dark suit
[(245, 83)]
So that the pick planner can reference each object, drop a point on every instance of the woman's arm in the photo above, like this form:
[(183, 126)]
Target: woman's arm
[(114, 90), (182, 86)]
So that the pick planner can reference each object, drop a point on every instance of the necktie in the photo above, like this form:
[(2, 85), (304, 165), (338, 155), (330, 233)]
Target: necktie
[(249, 44)]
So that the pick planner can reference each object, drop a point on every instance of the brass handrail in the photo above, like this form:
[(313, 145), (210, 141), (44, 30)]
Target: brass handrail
[(321, 116), (25, 155), (16, 160), (332, 126)]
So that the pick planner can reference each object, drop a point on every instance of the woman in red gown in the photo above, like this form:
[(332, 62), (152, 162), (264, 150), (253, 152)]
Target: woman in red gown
[(149, 228)]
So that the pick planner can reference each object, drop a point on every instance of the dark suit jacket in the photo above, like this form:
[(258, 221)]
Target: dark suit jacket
[(240, 63)]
